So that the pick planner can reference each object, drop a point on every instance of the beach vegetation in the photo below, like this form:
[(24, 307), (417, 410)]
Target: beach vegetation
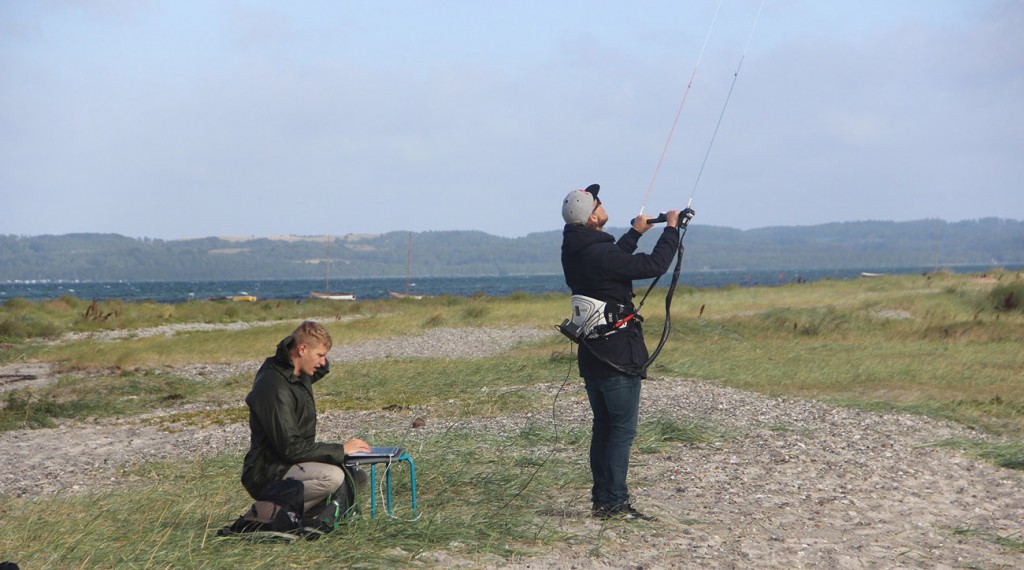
[(483, 496), (1008, 297), (934, 345)]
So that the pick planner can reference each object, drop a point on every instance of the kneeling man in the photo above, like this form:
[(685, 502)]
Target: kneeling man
[(289, 474)]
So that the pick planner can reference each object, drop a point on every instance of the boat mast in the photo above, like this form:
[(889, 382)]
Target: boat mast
[(327, 286), (408, 265)]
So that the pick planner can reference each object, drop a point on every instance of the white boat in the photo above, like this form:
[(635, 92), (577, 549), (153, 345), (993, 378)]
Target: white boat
[(326, 294), (866, 274), (408, 277), (333, 296), (397, 295)]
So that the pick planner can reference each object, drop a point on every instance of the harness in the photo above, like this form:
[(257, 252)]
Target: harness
[(592, 318)]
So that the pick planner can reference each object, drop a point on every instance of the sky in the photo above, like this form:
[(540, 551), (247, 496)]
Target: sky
[(176, 119)]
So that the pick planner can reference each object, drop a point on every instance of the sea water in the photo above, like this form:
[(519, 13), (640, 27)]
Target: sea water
[(378, 288)]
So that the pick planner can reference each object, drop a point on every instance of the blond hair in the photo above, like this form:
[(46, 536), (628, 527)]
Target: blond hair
[(311, 332)]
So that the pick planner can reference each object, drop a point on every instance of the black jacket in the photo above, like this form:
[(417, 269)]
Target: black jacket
[(597, 266), (282, 421)]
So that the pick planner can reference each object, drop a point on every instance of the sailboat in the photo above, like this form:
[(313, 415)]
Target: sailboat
[(408, 275), (326, 294)]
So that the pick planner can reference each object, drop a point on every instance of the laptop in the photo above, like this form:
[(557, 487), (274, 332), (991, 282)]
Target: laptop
[(375, 455)]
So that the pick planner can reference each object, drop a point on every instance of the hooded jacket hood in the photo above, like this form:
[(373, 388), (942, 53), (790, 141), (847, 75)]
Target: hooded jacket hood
[(575, 237), (282, 360)]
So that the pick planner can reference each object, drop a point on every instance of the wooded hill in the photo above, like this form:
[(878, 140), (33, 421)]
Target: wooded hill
[(847, 245)]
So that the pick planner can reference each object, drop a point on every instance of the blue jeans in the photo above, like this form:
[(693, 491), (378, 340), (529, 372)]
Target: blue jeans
[(615, 402)]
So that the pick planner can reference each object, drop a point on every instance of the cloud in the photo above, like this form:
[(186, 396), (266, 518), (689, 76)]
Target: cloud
[(184, 119)]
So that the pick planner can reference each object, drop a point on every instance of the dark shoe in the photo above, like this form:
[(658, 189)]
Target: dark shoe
[(285, 526), (623, 512), (315, 532), (255, 530), (241, 526)]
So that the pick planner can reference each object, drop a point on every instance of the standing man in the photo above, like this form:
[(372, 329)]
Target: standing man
[(291, 476), (600, 271)]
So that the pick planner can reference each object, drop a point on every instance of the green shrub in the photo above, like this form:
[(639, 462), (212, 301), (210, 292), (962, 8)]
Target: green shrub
[(16, 304), (23, 327), (1008, 297), (22, 410), (475, 311)]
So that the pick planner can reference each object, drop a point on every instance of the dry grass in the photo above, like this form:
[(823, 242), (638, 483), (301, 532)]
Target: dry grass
[(935, 345)]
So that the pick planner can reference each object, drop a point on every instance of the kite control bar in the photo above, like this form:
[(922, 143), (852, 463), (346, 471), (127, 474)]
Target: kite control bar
[(685, 215)]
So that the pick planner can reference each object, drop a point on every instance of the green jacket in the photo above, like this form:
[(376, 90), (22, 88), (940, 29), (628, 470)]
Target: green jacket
[(282, 421)]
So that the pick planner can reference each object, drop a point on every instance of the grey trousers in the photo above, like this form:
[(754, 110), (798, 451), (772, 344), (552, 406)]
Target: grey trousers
[(319, 480)]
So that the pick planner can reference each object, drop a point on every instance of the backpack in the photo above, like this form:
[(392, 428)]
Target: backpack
[(284, 500)]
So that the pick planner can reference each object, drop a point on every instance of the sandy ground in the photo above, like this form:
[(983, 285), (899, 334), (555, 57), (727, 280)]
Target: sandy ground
[(797, 484)]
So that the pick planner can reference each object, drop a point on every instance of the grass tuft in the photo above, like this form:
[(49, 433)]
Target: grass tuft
[(22, 410), (17, 327), (654, 434), (1008, 454), (1011, 541), (1008, 297), (105, 396)]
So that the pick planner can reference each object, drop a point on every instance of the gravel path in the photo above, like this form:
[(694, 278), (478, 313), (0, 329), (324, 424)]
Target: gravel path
[(797, 484)]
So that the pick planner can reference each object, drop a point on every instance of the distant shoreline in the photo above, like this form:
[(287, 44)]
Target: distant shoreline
[(370, 288)]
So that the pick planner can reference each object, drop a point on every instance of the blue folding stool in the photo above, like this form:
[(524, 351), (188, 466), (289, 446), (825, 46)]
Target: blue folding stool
[(387, 456)]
